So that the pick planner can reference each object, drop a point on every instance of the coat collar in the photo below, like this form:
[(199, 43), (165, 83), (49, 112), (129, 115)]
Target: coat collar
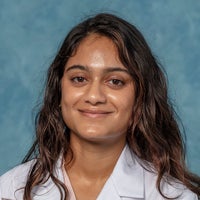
[(127, 178)]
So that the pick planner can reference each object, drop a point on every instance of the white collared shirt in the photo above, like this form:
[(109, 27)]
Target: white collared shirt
[(128, 181)]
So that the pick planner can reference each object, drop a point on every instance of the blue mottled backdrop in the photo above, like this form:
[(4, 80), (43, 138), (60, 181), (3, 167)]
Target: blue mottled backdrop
[(32, 31)]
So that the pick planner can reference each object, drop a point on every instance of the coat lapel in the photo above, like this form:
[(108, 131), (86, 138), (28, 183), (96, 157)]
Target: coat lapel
[(126, 180), (49, 190)]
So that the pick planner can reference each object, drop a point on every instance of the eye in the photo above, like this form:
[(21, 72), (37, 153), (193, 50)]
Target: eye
[(116, 82), (78, 79)]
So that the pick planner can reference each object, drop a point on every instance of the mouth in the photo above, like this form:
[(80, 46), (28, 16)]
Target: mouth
[(94, 113)]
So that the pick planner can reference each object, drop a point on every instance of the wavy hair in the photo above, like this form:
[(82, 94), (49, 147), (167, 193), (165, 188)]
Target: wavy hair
[(154, 135)]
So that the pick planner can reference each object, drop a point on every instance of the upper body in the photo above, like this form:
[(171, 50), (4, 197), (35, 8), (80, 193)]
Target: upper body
[(104, 90), (129, 180)]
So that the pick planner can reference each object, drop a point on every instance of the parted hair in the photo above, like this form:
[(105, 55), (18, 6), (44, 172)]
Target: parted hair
[(154, 135)]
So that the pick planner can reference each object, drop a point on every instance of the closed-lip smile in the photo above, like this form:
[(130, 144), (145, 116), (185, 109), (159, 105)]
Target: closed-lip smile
[(94, 113)]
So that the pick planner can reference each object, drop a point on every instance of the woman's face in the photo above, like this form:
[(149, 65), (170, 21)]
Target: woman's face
[(97, 92)]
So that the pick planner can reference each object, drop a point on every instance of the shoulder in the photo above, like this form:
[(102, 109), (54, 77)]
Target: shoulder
[(143, 176), (171, 188), (19, 173), (12, 183), (14, 179)]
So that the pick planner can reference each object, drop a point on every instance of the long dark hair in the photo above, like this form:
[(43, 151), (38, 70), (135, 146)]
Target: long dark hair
[(154, 135)]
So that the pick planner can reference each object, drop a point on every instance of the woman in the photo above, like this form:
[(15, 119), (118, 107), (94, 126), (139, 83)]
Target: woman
[(106, 129)]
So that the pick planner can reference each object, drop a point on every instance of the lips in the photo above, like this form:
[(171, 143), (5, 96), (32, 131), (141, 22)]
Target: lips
[(94, 113)]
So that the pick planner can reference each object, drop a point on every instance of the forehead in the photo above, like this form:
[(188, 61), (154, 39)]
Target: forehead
[(95, 38), (96, 50)]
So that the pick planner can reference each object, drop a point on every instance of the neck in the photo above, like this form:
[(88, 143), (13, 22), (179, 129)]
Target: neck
[(93, 160)]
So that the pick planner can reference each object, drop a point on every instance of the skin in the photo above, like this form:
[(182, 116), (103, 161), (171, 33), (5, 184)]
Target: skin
[(96, 103)]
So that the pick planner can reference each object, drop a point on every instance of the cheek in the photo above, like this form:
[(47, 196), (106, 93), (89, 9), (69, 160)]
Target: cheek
[(123, 101), (69, 95), (69, 99), (128, 99), (126, 106)]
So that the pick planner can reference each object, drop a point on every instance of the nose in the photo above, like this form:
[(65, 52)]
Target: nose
[(95, 94)]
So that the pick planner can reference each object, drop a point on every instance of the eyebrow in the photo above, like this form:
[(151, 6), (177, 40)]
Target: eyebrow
[(77, 67), (109, 69)]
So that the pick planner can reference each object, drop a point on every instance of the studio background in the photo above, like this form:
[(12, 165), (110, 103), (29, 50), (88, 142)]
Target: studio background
[(31, 33)]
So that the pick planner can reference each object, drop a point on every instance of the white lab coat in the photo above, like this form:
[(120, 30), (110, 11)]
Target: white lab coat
[(128, 181)]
